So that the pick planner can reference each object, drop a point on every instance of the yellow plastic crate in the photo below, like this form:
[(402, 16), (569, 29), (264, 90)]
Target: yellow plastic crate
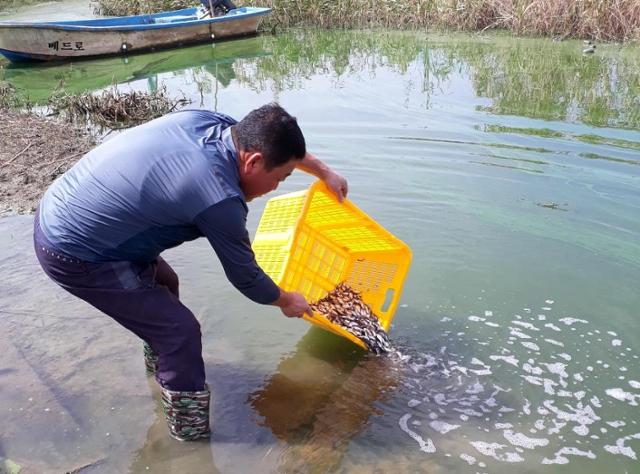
[(309, 242)]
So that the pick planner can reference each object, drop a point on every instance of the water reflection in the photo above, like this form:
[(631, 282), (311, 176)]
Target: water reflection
[(320, 398), (38, 81), (525, 77)]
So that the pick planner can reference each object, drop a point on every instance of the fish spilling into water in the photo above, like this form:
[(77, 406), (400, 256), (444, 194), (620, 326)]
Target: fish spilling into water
[(344, 306)]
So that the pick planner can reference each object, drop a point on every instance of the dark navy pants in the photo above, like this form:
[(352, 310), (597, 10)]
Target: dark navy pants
[(142, 297)]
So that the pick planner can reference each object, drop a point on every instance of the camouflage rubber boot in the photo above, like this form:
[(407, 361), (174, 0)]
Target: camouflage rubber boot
[(187, 413), (150, 359)]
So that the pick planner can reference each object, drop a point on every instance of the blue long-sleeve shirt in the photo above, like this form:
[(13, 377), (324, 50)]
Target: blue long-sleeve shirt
[(153, 187)]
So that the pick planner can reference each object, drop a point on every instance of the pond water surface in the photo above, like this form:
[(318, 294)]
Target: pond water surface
[(511, 168)]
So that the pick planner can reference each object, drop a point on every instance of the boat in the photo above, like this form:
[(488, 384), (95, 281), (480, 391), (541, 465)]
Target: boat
[(63, 40)]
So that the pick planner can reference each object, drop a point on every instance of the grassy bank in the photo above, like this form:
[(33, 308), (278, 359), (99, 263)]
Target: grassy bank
[(609, 20)]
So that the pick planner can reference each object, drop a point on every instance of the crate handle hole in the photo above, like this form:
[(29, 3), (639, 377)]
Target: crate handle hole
[(388, 298)]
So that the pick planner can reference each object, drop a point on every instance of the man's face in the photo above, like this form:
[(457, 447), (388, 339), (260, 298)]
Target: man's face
[(256, 180)]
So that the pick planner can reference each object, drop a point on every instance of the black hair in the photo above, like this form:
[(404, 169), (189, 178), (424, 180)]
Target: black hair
[(271, 131)]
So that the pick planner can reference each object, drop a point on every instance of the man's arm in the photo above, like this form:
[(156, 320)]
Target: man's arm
[(224, 225), (336, 183)]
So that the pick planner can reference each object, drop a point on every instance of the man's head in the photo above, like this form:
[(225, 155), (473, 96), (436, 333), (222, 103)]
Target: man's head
[(270, 143)]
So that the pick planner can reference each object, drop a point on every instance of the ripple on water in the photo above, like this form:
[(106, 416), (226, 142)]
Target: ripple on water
[(560, 377)]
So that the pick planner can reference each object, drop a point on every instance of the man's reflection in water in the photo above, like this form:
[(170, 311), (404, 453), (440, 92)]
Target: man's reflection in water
[(163, 454), (322, 397)]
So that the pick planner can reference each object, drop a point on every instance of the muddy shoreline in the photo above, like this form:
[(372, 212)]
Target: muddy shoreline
[(34, 151)]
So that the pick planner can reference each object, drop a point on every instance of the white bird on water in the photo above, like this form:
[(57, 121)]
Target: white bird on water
[(590, 48)]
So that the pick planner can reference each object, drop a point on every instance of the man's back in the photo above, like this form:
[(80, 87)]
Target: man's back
[(138, 194)]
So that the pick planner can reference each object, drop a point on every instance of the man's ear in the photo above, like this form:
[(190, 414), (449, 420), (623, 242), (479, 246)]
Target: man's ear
[(253, 162)]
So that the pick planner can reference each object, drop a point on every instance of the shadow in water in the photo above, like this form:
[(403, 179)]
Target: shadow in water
[(320, 398)]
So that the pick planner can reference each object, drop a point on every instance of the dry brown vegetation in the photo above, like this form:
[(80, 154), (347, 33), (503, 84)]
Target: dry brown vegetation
[(33, 152), (609, 20), (114, 109)]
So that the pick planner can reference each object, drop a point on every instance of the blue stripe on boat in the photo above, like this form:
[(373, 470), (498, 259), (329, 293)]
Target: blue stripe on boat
[(142, 22), (15, 57)]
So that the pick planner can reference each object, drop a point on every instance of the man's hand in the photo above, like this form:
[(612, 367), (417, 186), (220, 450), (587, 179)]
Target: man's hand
[(337, 184), (293, 305)]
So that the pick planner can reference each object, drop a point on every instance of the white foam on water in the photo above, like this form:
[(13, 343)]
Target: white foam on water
[(413, 403), (612, 333), (475, 388), (634, 384), (440, 399), (539, 424), (490, 402), (445, 319), (524, 441), (546, 308), (493, 325), (580, 415), (503, 426), (442, 427), (481, 371), (489, 449), (579, 395), (475, 318), (578, 377), (581, 430), (518, 333), (616, 424), (531, 345), (527, 310), (526, 408), (548, 386), (595, 401), (476, 361), (532, 380), (570, 321), (469, 412), (560, 459), (565, 356), (542, 317), (621, 395), (526, 325), (532, 369), (508, 359), (470, 460), (425, 446), (616, 342), (623, 369), (488, 313), (552, 326), (557, 368), (620, 447), (548, 301), (557, 426)]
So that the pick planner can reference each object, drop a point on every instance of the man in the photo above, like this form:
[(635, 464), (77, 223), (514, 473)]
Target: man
[(100, 228), (219, 7)]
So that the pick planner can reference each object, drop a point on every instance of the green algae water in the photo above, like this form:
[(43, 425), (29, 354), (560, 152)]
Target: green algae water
[(511, 168)]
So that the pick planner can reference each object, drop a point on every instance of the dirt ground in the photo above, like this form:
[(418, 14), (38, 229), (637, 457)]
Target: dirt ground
[(34, 151)]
